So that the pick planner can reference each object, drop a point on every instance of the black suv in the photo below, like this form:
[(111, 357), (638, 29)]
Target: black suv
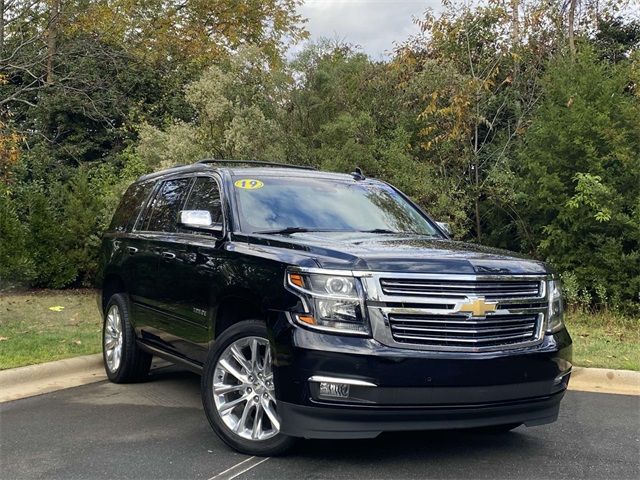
[(324, 305)]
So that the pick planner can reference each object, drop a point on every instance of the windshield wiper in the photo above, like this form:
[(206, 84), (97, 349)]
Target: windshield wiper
[(385, 230), (377, 230), (287, 230)]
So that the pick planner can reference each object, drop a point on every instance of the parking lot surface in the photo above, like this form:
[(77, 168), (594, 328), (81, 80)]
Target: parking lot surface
[(158, 430)]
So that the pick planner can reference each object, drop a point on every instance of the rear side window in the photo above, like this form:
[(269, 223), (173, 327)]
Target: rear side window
[(163, 213), (205, 195), (130, 206)]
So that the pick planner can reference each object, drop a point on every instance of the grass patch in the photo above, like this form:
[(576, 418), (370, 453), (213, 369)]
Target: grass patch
[(604, 339), (30, 332)]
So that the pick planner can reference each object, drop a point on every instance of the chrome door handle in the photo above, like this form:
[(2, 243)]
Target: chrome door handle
[(132, 250), (169, 255)]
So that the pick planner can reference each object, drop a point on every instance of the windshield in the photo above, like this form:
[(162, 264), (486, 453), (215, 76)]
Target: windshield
[(294, 204)]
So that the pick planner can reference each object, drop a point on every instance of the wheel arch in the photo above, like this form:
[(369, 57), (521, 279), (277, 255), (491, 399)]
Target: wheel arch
[(111, 285), (236, 307)]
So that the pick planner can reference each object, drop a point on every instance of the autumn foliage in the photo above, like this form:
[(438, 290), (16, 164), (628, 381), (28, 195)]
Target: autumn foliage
[(519, 131)]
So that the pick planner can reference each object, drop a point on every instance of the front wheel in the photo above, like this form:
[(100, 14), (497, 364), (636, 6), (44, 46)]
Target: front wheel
[(238, 391)]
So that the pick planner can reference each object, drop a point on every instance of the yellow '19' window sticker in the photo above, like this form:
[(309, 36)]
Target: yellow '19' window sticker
[(248, 184)]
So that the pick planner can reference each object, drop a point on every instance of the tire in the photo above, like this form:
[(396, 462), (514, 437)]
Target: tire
[(248, 402), (133, 364)]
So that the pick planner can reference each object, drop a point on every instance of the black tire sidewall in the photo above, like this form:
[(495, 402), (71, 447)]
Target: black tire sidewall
[(134, 364), (270, 447)]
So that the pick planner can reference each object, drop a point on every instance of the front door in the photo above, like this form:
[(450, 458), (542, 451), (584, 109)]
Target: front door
[(156, 228), (188, 270)]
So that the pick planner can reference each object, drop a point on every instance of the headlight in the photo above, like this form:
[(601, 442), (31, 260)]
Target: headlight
[(332, 302), (556, 308)]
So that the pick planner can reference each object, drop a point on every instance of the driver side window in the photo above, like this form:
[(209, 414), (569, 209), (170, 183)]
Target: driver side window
[(205, 195)]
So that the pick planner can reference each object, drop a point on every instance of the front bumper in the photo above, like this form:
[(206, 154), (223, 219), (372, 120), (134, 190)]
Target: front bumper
[(340, 422), (413, 389)]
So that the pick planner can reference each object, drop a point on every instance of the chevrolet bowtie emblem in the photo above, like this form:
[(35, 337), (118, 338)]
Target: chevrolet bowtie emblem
[(478, 307)]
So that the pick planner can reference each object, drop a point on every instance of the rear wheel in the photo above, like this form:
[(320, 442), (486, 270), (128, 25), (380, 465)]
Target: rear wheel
[(124, 362), (238, 391)]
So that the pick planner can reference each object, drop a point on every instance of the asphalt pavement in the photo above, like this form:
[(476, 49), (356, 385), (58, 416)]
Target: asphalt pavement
[(158, 430)]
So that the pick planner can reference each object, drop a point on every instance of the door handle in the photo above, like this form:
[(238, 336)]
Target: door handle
[(132, 250), (169, 255)]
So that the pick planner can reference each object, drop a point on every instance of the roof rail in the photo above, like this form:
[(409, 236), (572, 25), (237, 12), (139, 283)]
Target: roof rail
[(358, 175), (256, 162)]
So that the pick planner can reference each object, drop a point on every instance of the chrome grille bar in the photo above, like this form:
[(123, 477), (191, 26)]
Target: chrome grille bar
[(499, 338), (519, 328), (446, 320), (440, 330), (490, 289)]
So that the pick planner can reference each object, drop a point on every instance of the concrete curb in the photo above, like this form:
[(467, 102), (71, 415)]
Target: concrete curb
[(604, 380), (23, 382), (31, 380)]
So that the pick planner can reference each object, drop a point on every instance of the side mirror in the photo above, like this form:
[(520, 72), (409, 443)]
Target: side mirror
[(445, 226), (198, 220)]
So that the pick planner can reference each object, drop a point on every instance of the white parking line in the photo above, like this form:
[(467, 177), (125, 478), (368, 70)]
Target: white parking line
[(240, 468)]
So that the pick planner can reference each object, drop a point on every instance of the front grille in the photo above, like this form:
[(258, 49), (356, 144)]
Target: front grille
[(458, 313), (460, 331), (498, 289)]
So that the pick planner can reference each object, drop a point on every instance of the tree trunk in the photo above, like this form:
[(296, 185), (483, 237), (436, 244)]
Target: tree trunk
[(51, 38), (476, 167), (515, 26), (570, 21), (2, 29)]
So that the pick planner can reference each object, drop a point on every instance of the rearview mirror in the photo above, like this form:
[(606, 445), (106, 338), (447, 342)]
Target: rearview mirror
[(198, 220), (445, 226)]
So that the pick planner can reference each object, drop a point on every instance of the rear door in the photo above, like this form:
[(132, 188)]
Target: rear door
[(125, 250), (137, 266)]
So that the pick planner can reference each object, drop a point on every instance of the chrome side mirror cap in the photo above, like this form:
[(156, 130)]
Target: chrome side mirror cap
[(445, 226), (199, 220), (195, 218)]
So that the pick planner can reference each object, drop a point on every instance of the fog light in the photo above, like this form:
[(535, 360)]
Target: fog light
[(334, 390)]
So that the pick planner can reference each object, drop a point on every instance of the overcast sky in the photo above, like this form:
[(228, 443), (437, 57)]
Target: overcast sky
[(373, 24)]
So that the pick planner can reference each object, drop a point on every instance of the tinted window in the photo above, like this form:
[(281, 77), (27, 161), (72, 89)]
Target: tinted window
[(130, 206), (166, 205), (273, 203), (205, 195)]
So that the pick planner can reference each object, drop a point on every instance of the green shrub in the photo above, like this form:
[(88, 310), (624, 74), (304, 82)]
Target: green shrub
[(16, 263), (579, 174), (51, 221)]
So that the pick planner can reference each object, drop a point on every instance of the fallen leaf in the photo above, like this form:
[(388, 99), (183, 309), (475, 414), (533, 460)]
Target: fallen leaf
[(77, 342), (56, 308)]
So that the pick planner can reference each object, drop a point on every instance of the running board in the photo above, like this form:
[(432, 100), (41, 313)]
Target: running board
[(170, 357)]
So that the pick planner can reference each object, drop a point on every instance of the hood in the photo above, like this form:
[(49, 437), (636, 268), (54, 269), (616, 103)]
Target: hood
[(401, 253)]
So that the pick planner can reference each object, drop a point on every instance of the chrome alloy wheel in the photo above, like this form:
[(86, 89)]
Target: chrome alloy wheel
[(113, 339), (243, 389)]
